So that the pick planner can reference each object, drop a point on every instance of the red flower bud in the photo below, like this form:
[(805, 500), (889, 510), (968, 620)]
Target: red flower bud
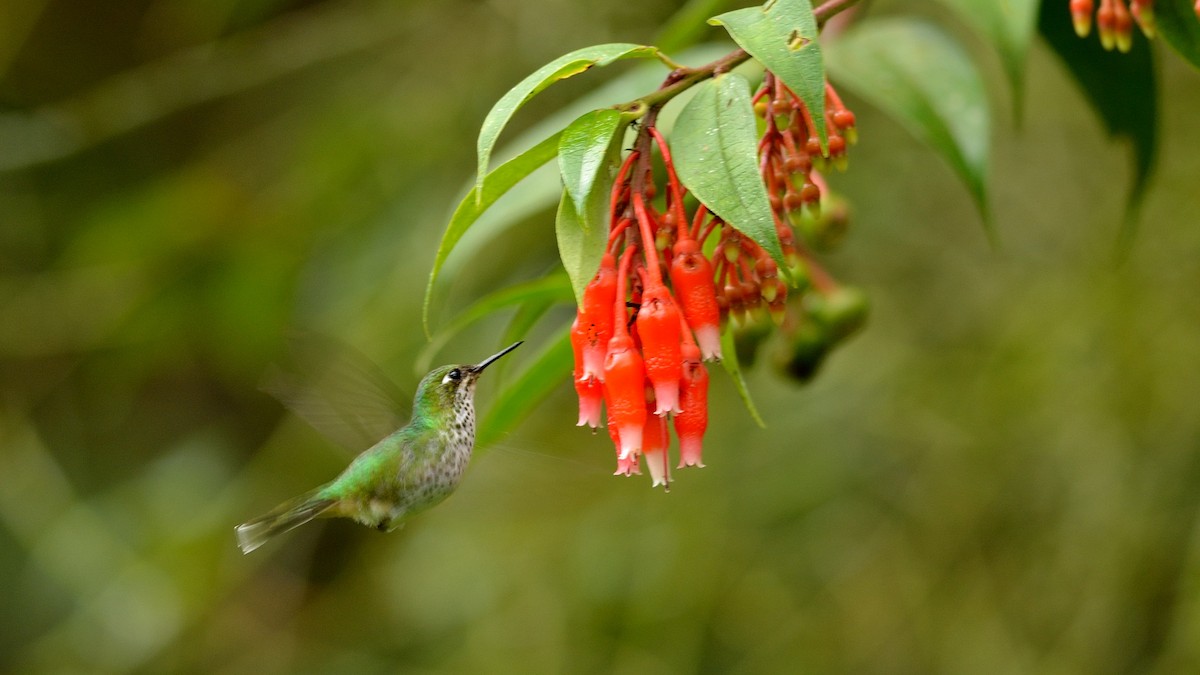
[(658, 327), (1081, 16), (693, 398), (692, 277), (624, 377)]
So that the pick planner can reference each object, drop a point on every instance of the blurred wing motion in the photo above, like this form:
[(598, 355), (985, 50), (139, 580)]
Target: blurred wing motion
[(338, 391)]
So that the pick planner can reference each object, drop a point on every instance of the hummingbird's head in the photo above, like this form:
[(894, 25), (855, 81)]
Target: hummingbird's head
[(452, 387)]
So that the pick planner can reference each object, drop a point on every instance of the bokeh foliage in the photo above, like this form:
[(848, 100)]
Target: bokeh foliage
[(998, 475)]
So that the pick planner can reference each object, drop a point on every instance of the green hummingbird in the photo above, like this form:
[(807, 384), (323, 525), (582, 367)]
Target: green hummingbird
[(410, 470)]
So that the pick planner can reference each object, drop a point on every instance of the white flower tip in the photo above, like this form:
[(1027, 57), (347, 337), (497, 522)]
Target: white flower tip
[(708, 338)]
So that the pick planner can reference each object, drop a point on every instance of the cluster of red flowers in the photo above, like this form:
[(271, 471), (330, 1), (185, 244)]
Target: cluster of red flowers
[(1114, 20), (655, 308)]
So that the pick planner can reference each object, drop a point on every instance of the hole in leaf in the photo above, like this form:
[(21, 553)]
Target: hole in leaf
[(796, 41)]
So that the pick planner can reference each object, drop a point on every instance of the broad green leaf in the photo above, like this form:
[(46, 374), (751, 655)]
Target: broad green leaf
[(561, 68), (478, 200), (1009, 26), (580, 247), (554, 288), (587, 157), (1123, 90), (715, 147), (550, 369), (1180, 28), (584, 157), (730, 362), (918, 74), (782, 35)]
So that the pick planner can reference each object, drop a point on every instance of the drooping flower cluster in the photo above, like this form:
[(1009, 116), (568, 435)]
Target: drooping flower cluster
[(1114, 20), (638, 343), (655, 308)]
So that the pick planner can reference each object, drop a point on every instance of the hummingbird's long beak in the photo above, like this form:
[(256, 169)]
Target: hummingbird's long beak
[(488, 361)]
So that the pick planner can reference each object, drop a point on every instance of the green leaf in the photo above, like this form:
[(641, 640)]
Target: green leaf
[(587, 157), (553, 288), (523, 321), (1009, 26), (478, 200), (579, 247), (1180, 28), (919, 75), (542, 189), (730, 362), (561, 68), (715, 147), (782, 35), (550, 369), (1123, 90)]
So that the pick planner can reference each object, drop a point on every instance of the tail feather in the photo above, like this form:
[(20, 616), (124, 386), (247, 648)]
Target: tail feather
[(287, 516)]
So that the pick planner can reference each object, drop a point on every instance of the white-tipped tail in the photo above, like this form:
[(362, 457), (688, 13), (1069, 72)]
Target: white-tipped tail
[(285, 517)]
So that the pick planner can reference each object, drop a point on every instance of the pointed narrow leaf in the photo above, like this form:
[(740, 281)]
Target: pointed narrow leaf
[(1123, 90), (523, 321), (715, 148), (918, 74), (782, 35), (580, 247), (561, 68), (477, 201), (1009, 26), (551, 368), (730, 362), (553, 288), (1180, 28)]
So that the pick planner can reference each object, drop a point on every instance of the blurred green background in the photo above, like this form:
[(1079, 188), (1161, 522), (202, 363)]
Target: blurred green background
[(999, 476)]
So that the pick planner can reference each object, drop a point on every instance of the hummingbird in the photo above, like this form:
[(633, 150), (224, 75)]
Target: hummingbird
[(410, 470)]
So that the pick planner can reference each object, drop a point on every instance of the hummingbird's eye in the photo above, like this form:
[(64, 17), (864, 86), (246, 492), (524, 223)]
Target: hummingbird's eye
[(453, 376)]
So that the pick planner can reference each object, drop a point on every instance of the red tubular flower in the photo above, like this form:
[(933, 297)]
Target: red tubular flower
[(658, 326), (589, 389), (597, 317), (628, 465), (691, 424), (655, 440), (658, 323), (623, 377), (692, 277), (624, 374)]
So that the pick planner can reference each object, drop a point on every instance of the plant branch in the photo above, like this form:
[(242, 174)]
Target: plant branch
[(682, 79), (830, 8)]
